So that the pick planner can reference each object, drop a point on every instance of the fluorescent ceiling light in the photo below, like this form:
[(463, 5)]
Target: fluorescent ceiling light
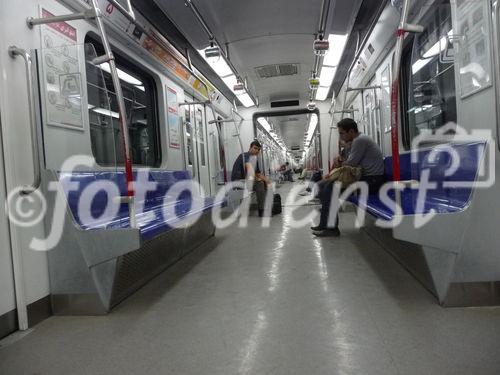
[(141, 88), (263, 122), (222, 69), (337, 45), (220, 66), (106, 112), (121, 74), (246, 100), (230, 81), (327, 75), (322, 93), (313, 121)]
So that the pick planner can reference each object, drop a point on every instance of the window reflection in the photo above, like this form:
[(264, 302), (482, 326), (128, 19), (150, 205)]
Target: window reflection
[(139, 96), (431, 96)]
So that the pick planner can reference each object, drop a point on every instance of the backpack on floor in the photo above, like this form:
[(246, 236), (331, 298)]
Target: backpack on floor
[(276, 204)]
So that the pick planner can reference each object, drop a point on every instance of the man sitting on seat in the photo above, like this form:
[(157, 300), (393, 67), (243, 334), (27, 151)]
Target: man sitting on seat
[(287, 172), (364, 153), (246, 167)]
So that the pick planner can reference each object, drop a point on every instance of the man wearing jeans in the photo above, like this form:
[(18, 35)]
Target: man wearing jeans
[(364, 153), (246, 167)]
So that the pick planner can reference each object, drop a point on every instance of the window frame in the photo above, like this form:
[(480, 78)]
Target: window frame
[(136, 69), (406, 80)]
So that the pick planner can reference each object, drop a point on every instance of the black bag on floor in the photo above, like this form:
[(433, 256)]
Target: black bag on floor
[(276, 204)]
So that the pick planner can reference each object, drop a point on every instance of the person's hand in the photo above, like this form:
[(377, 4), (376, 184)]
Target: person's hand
[(337, 162)]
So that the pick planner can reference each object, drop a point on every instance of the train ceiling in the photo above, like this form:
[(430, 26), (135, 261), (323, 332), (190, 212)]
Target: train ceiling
[(261, 34)]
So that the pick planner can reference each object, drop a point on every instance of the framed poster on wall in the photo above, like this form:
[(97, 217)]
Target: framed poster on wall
[(173, 119), (474, 42), (61, 79)]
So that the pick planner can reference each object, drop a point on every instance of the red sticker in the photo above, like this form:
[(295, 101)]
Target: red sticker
[(60, 27)]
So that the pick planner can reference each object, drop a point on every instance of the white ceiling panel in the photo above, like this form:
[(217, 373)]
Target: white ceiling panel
[(291, 128), (264, 32)]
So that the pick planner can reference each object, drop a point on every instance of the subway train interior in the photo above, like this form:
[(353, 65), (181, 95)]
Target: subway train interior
[(249, 187)]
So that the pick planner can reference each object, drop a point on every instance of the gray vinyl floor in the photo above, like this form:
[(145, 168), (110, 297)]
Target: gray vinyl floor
[(270, 301)]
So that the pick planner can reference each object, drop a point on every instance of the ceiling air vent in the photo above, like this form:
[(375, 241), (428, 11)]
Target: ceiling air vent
[(277, 70), (285, 103)]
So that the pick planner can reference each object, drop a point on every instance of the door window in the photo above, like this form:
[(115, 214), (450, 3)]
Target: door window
[(139, 93), (201, 136), (430, 69)]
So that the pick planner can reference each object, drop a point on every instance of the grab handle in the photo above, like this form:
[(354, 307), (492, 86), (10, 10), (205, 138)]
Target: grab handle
[(14, 52), (496, 61)]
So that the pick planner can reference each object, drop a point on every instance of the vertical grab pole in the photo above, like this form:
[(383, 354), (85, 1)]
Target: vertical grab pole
[(108, 57), (221, 140), (404, 27), (396, 70)]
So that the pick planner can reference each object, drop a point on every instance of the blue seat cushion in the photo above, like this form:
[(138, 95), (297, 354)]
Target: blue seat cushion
[(152, 221), (442, 199)]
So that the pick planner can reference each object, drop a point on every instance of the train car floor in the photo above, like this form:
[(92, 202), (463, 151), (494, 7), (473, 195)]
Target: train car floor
[(271, 300)]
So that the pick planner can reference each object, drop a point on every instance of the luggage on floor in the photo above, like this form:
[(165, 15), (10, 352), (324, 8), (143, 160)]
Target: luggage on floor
[(276, 204)]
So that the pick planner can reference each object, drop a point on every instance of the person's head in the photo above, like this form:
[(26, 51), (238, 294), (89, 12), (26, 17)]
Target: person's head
[(255, 147), (287, 163), (348, 129)]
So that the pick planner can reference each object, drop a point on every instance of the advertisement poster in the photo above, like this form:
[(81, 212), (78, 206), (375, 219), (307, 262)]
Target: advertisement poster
[(153, 47), (173, 119), (475, 54), (61, 78)]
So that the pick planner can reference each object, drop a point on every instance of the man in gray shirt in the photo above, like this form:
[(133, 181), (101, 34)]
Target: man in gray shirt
[(364, 153)]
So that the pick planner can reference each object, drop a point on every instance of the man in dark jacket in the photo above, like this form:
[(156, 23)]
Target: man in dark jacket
[(246, 167)]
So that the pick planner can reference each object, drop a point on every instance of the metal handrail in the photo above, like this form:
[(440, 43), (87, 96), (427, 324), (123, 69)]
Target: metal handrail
[(14, 52), (128, 13), (109, 57), (396, 71), (217, 125), (363, 88), (496, 61)]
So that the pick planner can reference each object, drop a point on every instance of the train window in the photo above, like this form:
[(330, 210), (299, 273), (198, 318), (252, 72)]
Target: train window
[(367, 115), (139, 92), (429, 75), (201, 136), (385, 82), (188, 129)]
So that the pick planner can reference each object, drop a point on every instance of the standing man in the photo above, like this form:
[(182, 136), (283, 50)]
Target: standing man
[(364, 153), (246, 167)]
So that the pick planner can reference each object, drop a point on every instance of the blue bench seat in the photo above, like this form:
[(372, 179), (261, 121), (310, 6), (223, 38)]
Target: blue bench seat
[(442, 199), (151, 222)]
